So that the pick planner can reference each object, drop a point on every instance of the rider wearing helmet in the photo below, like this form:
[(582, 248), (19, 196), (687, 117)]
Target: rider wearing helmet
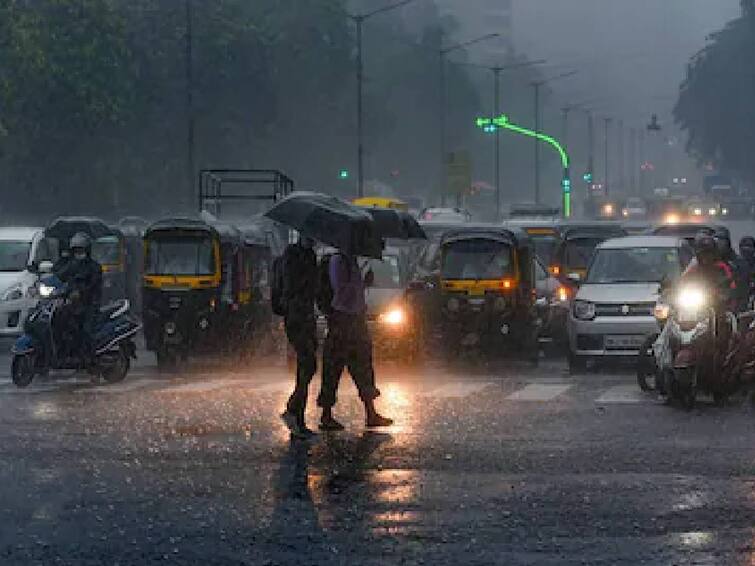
[(709, 268), (84, 276)]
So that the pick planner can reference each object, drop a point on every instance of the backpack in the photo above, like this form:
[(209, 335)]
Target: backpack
[(277, 286), (324, 297)]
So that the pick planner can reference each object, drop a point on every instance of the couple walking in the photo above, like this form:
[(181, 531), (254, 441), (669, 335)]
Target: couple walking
[(347, 345)]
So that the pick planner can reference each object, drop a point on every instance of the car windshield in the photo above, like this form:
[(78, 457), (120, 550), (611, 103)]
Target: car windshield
[(107, 250), (579, 251), (634, 265), (14, 256), (387, 272), (477, 259), (180, 255)]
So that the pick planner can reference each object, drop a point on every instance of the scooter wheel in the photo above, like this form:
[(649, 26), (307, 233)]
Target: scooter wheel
[(117, 372), (22, 370)]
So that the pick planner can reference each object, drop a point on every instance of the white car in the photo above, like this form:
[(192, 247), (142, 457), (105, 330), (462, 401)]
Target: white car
[(22, 252), (612, 313)]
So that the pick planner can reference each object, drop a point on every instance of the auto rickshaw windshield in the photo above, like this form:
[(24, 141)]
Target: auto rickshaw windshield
[(107, 250), (579, 251), (180, 255), (477, 259)]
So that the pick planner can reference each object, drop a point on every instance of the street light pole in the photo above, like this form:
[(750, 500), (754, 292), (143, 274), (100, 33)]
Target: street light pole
[(442, 53), (359, 20), (189, 102), (607, 122)]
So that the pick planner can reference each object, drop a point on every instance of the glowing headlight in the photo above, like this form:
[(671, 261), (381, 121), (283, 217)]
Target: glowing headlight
[(393, 317), (724, 211), (712, 211), (672, 218), (625, 212), (45, 290), (563, 294), (690, 298), (661, 311), (608, 209), (697, 211), (584, 310), (170, 328)]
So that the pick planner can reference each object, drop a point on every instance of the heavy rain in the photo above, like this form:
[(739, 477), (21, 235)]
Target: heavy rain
[(377, 282)]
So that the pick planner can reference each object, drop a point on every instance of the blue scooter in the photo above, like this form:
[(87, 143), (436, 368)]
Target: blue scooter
[(49, 341)]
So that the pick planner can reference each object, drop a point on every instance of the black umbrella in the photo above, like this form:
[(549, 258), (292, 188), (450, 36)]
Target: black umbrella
[(329, 220), (64, 228), (398, 224)]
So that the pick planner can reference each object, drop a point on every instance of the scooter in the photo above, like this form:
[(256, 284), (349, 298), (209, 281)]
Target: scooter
[(48, 341)]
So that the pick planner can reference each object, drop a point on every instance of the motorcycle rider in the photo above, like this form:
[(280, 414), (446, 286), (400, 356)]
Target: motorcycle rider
[(84, 276), (711, 270)]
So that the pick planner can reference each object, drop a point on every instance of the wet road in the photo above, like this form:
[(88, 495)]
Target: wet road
[(511, 465)]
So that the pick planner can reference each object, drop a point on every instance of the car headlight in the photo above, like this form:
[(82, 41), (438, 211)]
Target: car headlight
[(584, 310), (45, 290), (671, 218), (690, 298), (661, 311), (697, 211), (13, 293), (724, 211), (712, 211), (393, 317), (608, 209)]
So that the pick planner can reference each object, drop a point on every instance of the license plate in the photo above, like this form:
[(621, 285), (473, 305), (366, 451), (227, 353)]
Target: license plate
[(624, 342)]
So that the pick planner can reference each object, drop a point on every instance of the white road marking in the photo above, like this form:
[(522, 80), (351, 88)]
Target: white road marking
[(539, 392), (457, 389), (623, 394)]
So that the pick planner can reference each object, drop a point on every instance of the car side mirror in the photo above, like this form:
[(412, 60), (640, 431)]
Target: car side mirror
[(45, 266)]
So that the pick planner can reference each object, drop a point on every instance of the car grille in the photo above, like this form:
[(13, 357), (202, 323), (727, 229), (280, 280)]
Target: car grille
[(589, 342), (624, 309)]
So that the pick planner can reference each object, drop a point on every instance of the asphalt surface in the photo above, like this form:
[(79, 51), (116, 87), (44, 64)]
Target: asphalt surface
[(506, 465)]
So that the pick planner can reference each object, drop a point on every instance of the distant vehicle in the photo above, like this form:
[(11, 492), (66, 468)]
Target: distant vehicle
[(613, 312), (381, 202), (688, 230), (445, 215), (543, 234), (698, 209), (23, 251), (531, 210), (577, 242), (634, 208)]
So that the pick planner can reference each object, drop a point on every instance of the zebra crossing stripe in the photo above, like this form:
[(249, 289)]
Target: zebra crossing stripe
[(457, 389), (622, 394), (539, 392)]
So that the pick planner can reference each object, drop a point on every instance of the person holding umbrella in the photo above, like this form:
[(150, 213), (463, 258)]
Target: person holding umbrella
[(299, 288), (348, 343)]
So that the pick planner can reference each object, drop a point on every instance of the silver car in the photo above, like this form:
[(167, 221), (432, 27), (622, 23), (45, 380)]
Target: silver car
[(612, 312)]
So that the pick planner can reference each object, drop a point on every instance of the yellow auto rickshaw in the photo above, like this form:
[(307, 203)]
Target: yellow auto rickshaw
[(487, 283), (381, 202)]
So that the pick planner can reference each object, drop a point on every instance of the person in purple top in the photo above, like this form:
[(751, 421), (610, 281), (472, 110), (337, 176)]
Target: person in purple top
[(348, 343)]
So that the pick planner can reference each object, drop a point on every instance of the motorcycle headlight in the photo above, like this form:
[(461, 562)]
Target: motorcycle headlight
[(393, 317), (45, 290), (13, 293), (584, 310), (690, 298), (661, 311), (453, 304)]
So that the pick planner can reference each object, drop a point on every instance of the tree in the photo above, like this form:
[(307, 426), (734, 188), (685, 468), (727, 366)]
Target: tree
[(715, 104)]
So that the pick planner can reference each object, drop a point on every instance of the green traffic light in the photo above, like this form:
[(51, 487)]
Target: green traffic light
[(587, 177), (343, 174)]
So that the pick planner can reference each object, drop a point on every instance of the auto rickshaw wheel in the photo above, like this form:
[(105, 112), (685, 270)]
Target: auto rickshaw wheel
[(22, 370), (118, 371)]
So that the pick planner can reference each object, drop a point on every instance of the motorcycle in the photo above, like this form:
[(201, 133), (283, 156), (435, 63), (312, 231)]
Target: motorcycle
[(48, 342), (693, 351)]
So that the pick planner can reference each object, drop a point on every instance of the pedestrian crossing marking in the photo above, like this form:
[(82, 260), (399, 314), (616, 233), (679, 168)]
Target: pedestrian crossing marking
[(623, 394), (539, 392), (457, 389)]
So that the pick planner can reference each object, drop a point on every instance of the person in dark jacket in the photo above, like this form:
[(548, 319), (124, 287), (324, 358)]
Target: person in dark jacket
[(747, 263), (84, 276), (299, 293), (348, 343)]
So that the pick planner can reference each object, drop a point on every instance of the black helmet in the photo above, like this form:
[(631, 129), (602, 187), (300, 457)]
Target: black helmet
[(705, 243), (81, 241)]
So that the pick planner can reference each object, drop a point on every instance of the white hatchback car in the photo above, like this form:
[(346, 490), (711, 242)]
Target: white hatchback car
[(22, 251), (612, 312)]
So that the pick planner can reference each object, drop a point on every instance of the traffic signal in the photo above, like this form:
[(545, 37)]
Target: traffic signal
[(587, 177), (489, 128), (343, 174)]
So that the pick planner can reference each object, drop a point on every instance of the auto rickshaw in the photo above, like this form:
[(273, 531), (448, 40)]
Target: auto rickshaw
[(487, 284), (197, 289), (578, 240), (110, 252), (543, 234), (381, 202)]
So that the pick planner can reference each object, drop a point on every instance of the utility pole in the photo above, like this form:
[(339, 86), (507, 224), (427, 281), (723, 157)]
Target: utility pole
[(607, 184), (642, 162), (359, 20), (633, 160), (190, 165), (497, 112), (442, 54), (537, 85), (622, 156)]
